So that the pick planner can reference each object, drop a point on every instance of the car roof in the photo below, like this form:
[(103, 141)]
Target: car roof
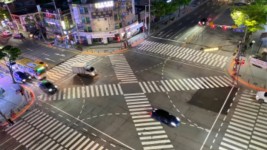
[(20, 73), (162, 112)]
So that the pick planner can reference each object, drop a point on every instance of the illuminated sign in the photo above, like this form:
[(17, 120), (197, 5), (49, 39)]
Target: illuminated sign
[(104, 4)]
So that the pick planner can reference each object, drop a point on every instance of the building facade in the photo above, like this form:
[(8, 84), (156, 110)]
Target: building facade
[(104, 21), (57, 23)]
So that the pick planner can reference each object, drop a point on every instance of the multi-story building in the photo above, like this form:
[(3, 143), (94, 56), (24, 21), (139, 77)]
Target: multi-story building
[(19, 10), (104, 21), (57, 20)]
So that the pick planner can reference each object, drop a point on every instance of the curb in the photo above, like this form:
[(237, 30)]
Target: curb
[(240, 80), (136, 43), (23, 110)]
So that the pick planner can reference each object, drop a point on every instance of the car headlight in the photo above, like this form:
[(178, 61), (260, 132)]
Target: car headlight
[(257, 97), (50, 90), (55, 86), (29, 77), (173, 124), (24, 80)]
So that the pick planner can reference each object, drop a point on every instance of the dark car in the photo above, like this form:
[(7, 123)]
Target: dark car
[(21, 77), (203, 21), (48, 87), (164, 117), (18, 36)]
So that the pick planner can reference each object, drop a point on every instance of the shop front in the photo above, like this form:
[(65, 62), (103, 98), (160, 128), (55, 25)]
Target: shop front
[(111, 36)]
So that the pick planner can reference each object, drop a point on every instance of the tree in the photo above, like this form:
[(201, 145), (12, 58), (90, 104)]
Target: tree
[(11, 53), (253, 17), (162, 8), (182, 2), (4, 14)]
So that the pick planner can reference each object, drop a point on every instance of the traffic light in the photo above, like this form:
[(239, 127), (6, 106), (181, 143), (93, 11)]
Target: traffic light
[(236, 61)]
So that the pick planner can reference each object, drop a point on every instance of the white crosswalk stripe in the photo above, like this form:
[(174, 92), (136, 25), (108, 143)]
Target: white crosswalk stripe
[(84, 92), (64, 69), (31, 133), (188, 54), (147, 87), (150, 132), (247, 128), (122, 69), (184, 84)]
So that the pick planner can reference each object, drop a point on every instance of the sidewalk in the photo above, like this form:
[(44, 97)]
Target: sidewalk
[(249, 75), (12, 103)]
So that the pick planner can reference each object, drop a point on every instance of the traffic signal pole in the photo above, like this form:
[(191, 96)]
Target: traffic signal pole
[(238, 64)]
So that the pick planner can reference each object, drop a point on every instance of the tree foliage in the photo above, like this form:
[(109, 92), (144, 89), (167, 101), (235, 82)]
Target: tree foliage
[(251, 16), (162, 8), (10, 51), (4, 14)]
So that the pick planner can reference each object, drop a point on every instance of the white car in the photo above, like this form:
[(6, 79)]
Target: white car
[(261, 97)]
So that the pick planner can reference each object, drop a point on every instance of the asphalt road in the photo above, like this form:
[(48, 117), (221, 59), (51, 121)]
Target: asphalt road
[(38, 50), (111, 111)]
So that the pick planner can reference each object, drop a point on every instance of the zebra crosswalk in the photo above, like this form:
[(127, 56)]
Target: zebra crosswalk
[(64, 69), (185, 84), (84, 92), (150, 132), (248, 125), (146, 86), (188, 54), (38, 130), (122, 69)]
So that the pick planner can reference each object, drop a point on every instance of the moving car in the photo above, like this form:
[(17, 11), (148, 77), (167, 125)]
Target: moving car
[(261, 97), (48, 87), (164, 117), (203, 21), (21, 77)]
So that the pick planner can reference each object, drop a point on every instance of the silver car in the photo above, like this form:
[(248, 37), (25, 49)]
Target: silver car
[(261, 97)]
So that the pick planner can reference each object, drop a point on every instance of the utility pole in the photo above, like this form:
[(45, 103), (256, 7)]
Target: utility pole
[(6, 5), (41, 24), (149, 17), (58, 16)]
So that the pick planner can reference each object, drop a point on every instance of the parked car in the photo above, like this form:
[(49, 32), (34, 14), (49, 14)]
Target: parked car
[(164, 117), (261, 97), (48, 87), (18, 36), (21, 77), (6, 33)]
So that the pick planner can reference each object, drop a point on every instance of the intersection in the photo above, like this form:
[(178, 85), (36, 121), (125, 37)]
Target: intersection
[(111, 111)]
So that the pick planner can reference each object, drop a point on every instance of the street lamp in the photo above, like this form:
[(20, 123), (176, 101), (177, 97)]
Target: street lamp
[(251, 45)]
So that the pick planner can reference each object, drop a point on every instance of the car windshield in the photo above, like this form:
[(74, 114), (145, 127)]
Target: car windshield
[(48, 85), (21, 74), (265, 94)]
